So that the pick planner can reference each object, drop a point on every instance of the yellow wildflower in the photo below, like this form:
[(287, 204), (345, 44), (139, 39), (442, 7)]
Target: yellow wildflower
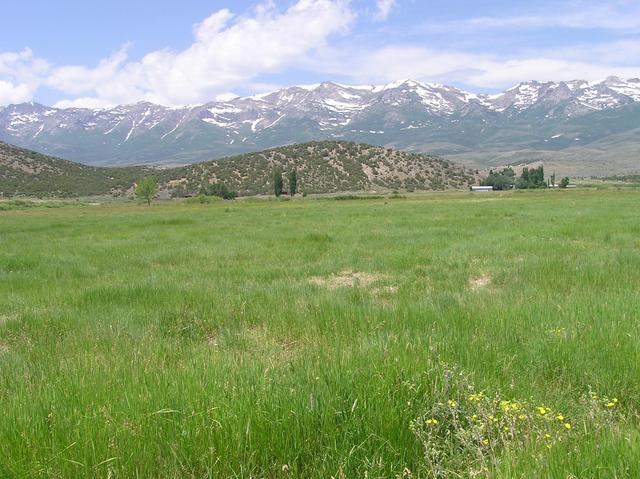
[(567, 425), (560, 418), (431, 422)]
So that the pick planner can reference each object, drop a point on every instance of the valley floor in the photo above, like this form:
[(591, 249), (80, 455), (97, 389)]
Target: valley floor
[(439, 335)]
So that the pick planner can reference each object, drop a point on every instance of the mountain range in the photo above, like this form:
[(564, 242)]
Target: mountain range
[(576, 127)]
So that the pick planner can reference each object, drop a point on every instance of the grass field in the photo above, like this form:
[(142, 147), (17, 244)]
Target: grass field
[(443, 335)]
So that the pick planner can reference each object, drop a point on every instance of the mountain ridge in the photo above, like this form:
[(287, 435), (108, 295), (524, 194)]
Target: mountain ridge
[(549, 118)]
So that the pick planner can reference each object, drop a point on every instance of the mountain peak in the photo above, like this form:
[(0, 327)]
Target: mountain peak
[(405, 112)]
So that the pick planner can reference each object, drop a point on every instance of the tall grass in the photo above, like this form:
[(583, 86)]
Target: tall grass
[(188, 340)]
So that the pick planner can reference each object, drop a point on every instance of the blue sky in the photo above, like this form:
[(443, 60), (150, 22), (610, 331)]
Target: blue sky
[(79, 53)]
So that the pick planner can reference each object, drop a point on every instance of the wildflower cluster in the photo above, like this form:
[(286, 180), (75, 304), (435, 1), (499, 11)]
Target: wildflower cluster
[(603, 411), (557, 332), (465, 430)]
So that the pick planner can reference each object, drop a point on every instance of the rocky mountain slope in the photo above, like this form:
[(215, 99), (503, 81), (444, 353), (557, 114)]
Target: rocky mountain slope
[(573, 122), (322, 167)]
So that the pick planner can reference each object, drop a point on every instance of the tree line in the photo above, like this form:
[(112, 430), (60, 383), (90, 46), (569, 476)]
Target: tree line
[(530, 178), (147, 188)]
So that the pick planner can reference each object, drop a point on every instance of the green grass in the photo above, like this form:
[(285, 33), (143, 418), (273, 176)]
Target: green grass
[(22, 204), (188, 340)]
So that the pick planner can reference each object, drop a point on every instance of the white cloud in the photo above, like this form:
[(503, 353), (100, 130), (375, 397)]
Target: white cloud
[(245, 52), (228, 51), (383, 9), (20, 76), (84, 102), (12, 93), (480, 70)]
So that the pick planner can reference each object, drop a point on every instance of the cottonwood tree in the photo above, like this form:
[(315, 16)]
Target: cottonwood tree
[(146, 189)]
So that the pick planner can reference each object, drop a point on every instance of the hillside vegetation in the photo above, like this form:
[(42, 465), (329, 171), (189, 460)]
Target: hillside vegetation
[(323, 167), (331, 166), (28, 173)]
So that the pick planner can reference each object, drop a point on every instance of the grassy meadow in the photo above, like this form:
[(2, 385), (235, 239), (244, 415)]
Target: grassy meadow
[(439, 335)]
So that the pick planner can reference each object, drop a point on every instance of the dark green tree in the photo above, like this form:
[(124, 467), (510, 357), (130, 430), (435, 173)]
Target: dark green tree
[(277, 182), (146, 189), (293, 182), (531, 178), (500, 180), (564, 182)]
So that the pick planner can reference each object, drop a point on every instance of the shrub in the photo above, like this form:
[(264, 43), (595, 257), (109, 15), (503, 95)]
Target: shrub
[(221, 191)]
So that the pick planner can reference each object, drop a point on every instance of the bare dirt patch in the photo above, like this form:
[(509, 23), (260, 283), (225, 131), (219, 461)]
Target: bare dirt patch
[(481, 282), (347, 279), (385, 291)]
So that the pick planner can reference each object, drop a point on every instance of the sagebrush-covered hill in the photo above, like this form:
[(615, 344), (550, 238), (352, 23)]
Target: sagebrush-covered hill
[(322, 167)]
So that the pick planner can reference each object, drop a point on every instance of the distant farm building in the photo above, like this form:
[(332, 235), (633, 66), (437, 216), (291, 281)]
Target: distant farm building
[(481, 189)]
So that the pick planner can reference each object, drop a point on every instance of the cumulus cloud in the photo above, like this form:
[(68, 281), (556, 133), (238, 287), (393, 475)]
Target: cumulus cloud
[(20, 76), (228, 51), (250, 51), (383, 9)]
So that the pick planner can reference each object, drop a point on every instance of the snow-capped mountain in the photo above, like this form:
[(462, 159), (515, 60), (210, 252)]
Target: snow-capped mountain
[(405, 114)]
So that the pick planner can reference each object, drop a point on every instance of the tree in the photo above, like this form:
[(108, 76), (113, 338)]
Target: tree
[(502, 180), (277, 182), (533, 178), (147, 189), (564, 182), (293, 182)]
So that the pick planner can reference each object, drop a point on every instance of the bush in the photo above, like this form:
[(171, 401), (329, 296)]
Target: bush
[(221, 191)]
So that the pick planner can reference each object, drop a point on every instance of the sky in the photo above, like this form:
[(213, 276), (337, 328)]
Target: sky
[(68, 53)]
